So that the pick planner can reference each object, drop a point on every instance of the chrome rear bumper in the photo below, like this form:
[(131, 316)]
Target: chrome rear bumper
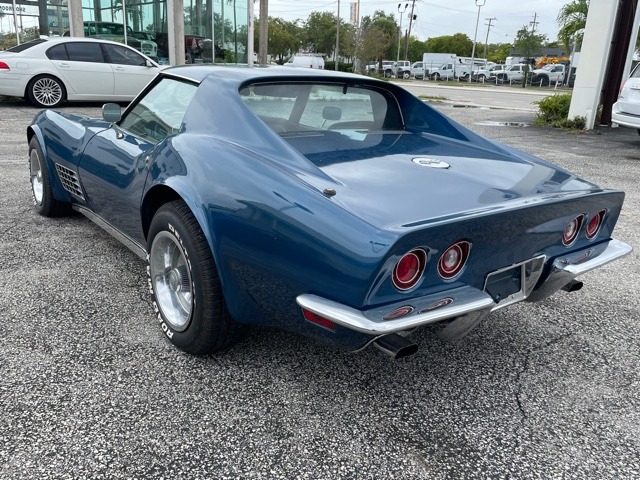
[(468, 302)]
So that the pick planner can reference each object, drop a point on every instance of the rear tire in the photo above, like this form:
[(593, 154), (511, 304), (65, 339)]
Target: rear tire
[(406, 75), (45, 91), (40, 179), (184, 283), (435, 76)]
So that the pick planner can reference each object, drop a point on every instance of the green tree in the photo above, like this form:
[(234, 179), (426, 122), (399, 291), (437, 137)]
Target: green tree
[(347, 40), (528, 44), (320, 32), (416, 49), (571, 18), (498, 53), (385, 26), (459, 43), (284, 38)]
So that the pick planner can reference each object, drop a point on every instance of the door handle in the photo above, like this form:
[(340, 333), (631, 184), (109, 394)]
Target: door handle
[(119, 69), (63, 65)]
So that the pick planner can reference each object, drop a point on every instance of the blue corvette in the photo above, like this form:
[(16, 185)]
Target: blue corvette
[(328, 204)]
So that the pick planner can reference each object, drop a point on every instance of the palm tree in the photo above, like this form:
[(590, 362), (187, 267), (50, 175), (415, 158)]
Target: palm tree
[(572, 17)]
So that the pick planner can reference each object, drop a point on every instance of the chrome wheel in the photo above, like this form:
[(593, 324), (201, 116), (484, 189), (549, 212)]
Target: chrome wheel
[(35, 173), (171, 279), (47, 91)]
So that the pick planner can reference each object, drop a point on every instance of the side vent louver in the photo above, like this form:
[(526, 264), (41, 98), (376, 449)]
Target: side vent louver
[(69, 180)]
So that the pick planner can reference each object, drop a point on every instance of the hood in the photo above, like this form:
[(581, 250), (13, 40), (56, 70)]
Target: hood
[(416, 180)]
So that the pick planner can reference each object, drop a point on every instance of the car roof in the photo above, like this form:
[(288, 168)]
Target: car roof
[(245, 73)]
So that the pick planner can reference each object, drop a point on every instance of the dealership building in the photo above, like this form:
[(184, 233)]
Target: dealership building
[(220, 26)]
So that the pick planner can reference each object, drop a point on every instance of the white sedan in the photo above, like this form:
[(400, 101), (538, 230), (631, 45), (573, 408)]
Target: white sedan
[(49, 71), (626, 111)]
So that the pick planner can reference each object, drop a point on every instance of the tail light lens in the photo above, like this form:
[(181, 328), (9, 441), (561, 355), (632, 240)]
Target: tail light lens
[(594, 224), (571, 230), (4, 66), (453, 260), (409, 269)]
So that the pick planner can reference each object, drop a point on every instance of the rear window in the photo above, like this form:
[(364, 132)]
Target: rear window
[(326, 121), (291, 107), (24, 46)]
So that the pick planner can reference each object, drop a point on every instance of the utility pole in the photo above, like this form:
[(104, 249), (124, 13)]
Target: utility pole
[(264, 32), (406, 41), (486, 40)]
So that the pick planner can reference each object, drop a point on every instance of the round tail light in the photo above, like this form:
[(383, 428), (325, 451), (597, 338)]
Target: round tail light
[(453, 259), (594, 224), (571, 230), (409, 269)]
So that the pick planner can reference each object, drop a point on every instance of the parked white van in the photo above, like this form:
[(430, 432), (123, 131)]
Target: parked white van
[(307, 61)]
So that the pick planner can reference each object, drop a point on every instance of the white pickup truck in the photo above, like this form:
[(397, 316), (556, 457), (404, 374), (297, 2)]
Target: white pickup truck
[(513, 73), (548, 75)]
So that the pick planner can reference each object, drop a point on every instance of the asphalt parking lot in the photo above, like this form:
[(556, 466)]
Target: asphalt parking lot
[(91, 389)]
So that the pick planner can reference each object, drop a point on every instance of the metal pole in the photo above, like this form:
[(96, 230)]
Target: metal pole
[(251, 29), (337, 38), (479, 4), (406, 5), (124, 20), (406, 43)]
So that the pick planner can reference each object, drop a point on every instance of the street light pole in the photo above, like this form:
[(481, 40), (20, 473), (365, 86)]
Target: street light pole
[(479, 4), (337, 37), (406, 5)]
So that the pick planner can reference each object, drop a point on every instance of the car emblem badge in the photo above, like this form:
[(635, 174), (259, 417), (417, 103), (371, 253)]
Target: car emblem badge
[(430, 162)]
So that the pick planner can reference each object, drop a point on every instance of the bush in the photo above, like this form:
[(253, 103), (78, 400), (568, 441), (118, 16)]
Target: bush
[(343, 67), (554, 111)]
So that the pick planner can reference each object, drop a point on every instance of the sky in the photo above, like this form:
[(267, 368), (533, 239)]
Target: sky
[(442, 17)]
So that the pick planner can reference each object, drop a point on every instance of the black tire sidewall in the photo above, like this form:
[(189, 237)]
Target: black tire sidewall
[(168, 221), (45, 207)]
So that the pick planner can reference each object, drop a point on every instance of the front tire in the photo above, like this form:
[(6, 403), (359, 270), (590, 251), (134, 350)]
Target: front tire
[(45, 91), (184, 283), (40, 179)]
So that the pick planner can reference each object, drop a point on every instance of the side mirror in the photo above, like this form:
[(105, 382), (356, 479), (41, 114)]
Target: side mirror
[(111, 112), (149, 63)]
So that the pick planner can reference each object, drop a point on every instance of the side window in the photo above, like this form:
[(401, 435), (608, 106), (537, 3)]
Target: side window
[(85, 52), (59, 52), (123, 55), (161, 111)]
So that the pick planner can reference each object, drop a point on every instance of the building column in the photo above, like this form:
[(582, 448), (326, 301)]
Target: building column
[(43, 17), (594, 58), (175, 31), (76, 25)]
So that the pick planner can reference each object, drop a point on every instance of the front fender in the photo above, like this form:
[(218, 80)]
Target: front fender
[(62, 138)]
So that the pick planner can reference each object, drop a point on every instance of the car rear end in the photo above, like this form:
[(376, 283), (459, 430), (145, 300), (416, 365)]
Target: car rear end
[(626, 111), (16, 68)]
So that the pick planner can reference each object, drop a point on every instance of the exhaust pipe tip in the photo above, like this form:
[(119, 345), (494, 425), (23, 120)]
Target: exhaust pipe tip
[(573, 286), (396, 346)]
